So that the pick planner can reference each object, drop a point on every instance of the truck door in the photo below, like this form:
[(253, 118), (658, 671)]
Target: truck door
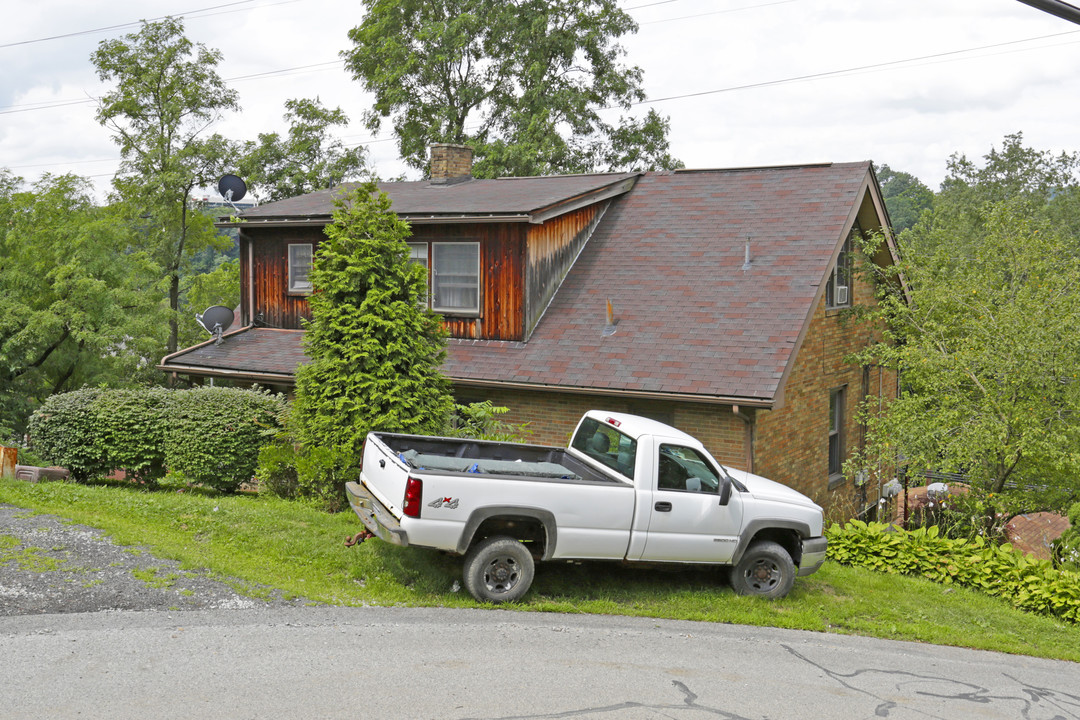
[(687, 523)]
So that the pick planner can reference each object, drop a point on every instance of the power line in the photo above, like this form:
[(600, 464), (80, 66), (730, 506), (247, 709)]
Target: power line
[(717, 12), (123, 25), (829, 73)]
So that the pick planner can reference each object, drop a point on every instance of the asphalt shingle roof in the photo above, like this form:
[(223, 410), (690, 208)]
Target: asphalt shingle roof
[(669, 256), (252, 350), (472, 197)]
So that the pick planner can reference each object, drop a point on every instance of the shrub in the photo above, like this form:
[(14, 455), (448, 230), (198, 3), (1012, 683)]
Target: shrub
[(66, 431), (131, 427), (1028, 583), (276, 469), (214, 434)]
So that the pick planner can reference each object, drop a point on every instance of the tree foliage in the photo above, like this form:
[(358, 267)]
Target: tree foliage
[(988, 355), (1035, 183), (906, 197), (77, 303), (307, 159), (375, 352), (166, 95), (984, 342), (523, 83)]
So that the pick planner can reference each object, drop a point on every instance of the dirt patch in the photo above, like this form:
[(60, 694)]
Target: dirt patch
[(49, 565)]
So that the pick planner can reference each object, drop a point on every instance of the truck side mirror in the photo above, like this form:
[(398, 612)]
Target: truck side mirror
[(725, 491)]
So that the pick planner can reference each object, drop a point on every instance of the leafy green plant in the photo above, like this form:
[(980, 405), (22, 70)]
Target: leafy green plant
[(276, 470), (480, 420), (1067, 547), (1028, 583), (214, 434), (131, 427), (66, 431)]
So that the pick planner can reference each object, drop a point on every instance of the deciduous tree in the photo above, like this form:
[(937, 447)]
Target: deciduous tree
[(905, 196), (166, 95), (308, 158), (988, 355), (524, 83), (78, 304)]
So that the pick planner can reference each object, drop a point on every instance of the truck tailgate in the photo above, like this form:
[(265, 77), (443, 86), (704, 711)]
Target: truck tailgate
[(384, 474)]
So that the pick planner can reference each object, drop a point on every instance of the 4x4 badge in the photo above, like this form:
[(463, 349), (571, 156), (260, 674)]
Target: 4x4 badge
[(451, 503)]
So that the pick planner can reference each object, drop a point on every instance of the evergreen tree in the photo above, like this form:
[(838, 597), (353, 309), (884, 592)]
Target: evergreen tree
[(375, 352)]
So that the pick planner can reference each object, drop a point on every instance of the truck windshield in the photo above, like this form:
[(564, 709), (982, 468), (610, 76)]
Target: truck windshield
[(607, 445)]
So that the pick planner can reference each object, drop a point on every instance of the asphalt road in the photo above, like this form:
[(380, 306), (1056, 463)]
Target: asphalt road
[(260, 659)]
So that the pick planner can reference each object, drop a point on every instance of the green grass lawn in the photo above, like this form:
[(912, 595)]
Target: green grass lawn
[(256, 543)]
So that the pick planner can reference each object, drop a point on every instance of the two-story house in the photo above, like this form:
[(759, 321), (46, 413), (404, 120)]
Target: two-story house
[(713, 300)]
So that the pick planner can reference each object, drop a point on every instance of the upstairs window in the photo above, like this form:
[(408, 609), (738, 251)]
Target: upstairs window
[(838, 286), (418, 255), (455, 277), (453, 285), (300, 268)]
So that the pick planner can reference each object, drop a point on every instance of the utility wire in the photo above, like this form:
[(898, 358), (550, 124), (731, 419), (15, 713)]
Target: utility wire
[(830, 73), (123, 25)]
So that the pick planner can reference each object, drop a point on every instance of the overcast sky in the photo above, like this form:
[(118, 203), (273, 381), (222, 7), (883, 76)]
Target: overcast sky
[(766, 82)]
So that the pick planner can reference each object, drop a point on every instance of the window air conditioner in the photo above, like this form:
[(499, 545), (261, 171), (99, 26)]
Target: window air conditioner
[(841, 294)]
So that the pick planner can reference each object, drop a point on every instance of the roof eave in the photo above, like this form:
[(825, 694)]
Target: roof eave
[(763, 403)]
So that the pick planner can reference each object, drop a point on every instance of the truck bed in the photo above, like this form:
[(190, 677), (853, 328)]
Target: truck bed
[(451, 455)]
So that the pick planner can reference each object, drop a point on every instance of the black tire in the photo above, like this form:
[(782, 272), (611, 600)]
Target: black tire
[(765, 570), (498, 569)]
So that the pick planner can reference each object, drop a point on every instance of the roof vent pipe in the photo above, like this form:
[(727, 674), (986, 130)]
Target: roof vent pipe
[(612, 321), (746, 256)]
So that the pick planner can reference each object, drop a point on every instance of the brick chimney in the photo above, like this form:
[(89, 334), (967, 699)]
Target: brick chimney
[(450, 163)]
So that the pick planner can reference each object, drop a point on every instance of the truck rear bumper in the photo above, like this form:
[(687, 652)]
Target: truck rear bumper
[(813, 555), (374, 515)]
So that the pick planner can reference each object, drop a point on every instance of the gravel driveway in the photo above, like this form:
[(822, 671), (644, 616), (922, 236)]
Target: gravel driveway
[(49, 565)]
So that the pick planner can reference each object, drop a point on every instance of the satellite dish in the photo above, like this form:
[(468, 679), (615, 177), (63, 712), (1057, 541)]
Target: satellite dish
[(232, 188), (215, 320)]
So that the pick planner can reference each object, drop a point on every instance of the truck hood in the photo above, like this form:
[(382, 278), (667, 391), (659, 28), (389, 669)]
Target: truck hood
[(766, 489)]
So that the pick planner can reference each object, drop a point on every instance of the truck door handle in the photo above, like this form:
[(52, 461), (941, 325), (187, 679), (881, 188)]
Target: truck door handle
[(662, 507)]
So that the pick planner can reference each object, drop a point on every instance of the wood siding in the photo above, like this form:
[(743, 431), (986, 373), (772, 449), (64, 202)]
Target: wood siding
[(502, 278), (264, 277), (551, 251), (268, 276)]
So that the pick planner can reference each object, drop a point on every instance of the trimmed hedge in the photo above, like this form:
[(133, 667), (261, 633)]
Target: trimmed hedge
[(1028, 583), (209, 435), (214, 434), (66, 432)]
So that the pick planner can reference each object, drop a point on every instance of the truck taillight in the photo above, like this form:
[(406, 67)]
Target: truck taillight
[(414, 493)]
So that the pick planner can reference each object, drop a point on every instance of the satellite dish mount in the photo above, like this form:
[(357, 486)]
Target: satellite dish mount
[(215, 320), (233, 189)]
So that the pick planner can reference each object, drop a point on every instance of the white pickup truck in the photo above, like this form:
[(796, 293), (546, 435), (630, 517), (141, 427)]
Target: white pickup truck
[(627, 488)]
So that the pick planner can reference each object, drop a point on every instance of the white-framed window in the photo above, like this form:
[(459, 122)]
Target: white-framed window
[(837, 398), (300, 255), (455, 277), (418, 255), (838, 286)]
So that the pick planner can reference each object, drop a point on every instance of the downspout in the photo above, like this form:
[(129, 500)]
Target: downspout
[(748, 443)]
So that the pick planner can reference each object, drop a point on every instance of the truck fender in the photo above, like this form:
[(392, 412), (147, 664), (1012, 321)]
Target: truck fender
[(478, 516), (755, 526)]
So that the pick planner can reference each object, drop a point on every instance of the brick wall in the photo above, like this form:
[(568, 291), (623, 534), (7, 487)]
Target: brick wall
[(552, 417), (792, 442)]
